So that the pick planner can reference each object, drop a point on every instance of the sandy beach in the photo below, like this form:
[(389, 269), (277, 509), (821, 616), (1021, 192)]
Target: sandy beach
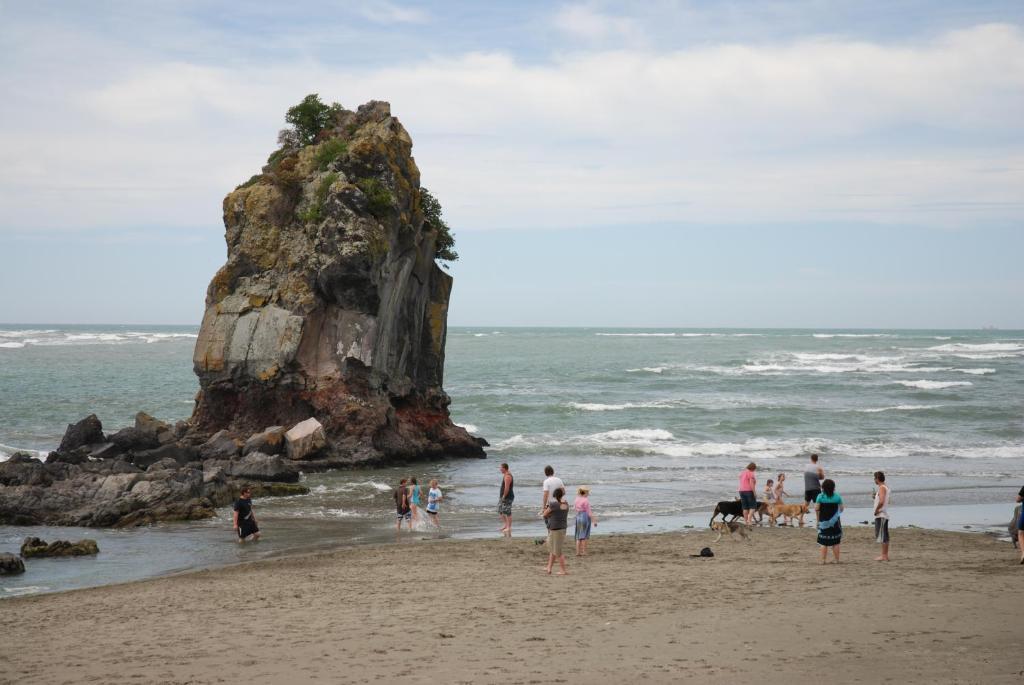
[(639, 608)]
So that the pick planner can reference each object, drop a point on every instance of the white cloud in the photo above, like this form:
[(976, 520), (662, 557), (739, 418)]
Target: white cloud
[(812, 130), (582, 21)]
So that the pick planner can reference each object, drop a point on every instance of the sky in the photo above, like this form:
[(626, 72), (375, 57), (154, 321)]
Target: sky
[(653, 164)]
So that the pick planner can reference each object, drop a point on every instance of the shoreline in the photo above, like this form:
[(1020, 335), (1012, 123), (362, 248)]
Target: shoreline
[(482, 611), (215, 549)]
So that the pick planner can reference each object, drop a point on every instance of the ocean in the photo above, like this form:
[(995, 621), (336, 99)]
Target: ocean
[(657, 422)]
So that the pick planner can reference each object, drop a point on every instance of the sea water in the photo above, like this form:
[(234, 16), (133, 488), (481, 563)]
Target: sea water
[(657, 422)]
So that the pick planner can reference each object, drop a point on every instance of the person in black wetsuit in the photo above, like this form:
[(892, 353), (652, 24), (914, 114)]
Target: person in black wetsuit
[(243, 519)]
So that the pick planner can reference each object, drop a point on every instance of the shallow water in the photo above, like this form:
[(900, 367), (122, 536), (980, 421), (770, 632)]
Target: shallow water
[(658, 423)]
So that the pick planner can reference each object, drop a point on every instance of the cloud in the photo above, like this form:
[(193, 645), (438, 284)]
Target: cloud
[(387, 13), (813, 130), (582, 21)]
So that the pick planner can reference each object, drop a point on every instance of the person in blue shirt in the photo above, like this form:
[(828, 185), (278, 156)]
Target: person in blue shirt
[(828, 507)]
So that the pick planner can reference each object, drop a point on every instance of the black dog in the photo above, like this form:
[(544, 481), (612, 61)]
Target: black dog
[(734, 509)]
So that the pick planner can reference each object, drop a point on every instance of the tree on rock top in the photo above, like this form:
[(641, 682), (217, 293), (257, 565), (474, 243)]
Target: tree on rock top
[(445, 250), (309, 117)]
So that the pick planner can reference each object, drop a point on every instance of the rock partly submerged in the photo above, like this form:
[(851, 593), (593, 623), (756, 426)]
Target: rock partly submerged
[(11, 565), (34, 547), (322, 346)]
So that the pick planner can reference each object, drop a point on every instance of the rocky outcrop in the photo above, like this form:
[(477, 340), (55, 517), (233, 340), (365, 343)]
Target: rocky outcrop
[(11, 565), (331, 305), (116, 492), (34, 547)]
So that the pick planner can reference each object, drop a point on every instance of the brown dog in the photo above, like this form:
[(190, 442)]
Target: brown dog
[(789, 511), (731, 527)]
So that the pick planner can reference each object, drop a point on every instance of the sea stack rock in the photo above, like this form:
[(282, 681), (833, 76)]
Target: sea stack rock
[(331, 305)]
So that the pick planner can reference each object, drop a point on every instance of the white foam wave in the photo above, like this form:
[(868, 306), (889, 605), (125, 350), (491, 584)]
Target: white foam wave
[(648, 369), (637, 335), (594, 406), (980, 347), (901, 407), (469, 427), (933, 385), (12, 345), (976, 372), (6, 451), (987, 356), (853, 335), (632, 434), (25, 590)]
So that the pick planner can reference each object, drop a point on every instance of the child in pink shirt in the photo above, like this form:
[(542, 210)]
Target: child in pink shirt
[(584, 519)]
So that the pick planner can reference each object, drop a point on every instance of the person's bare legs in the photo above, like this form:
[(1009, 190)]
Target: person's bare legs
[(835, 553), (1020, 544), (885, 553), (561, 563), (824, 553), (551, 562)]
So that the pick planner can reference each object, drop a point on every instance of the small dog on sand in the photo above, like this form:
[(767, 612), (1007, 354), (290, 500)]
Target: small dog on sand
[(731, 527)]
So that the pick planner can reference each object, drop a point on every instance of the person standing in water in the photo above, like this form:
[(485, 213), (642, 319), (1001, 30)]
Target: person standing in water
[(243, 520), (434, 498), (813, 475), (414, 500), (505, 497)]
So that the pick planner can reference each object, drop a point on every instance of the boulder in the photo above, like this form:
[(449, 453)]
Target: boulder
[(181, 454), (34, 547), (305, 439), (11, 565), (86, 432), (134, 440), (264, 467), (269, 441), (24, 469), (156, 429), (220, 446), (76, 456)]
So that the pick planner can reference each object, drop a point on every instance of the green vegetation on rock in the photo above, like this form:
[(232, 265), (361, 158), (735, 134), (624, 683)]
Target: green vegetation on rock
[(252, 181), (311, 116), (378, 197), (315, 210), (329, 152), (445, 250)]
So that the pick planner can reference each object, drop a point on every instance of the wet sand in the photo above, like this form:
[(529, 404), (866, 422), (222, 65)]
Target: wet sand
[(638, 609)]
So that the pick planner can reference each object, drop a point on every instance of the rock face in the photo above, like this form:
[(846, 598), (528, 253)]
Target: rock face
[(330, 304), (34, 547)]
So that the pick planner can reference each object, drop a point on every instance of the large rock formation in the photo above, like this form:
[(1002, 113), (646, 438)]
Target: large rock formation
[(330, 304), (323, 339)]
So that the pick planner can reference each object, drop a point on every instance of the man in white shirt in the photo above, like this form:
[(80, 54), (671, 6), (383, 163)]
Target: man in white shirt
[(551, 483)]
